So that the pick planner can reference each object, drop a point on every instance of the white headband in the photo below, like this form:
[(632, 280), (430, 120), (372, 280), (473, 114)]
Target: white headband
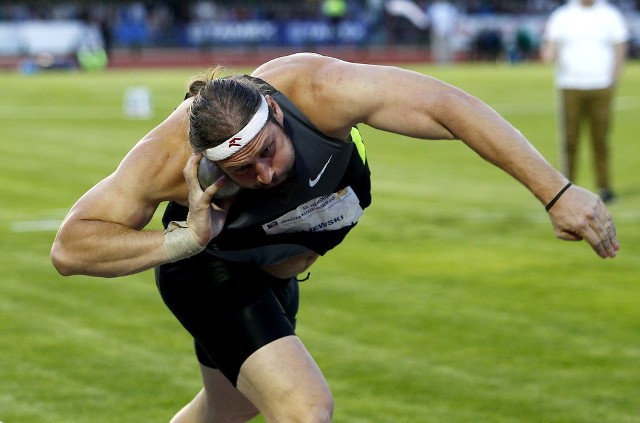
[(242, 138)]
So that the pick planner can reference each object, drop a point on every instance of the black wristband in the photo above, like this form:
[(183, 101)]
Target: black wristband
[(557, 197)]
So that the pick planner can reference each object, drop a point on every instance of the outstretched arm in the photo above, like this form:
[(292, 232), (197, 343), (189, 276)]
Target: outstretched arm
[(412, 104)]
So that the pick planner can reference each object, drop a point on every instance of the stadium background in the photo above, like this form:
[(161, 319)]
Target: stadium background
[(188, 33)]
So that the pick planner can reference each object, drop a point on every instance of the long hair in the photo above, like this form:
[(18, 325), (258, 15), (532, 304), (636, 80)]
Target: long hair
[(222, 106)]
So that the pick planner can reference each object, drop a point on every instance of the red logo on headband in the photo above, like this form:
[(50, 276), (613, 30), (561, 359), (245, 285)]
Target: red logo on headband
[(233, 143)]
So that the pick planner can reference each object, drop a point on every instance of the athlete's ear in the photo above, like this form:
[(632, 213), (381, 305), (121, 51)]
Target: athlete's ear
[(276, 111)]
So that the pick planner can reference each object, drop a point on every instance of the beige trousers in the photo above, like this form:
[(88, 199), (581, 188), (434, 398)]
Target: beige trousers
[(593, 107)]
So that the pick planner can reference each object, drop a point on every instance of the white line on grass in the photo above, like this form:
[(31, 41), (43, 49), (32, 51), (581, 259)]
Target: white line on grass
[(64, 113), (36, 226), (47, 225)]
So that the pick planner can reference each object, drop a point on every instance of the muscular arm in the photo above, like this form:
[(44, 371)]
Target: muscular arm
[(99, 240), (422, 107), (103, 233), (412, 104)]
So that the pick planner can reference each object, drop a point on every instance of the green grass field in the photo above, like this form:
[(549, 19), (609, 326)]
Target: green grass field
[(451, 302)]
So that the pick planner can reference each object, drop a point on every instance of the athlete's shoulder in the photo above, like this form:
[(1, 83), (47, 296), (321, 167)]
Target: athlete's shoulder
[(295, 61), (295, 71)]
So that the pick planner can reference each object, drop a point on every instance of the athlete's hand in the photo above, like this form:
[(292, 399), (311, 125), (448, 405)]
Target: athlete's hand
[(580, 214), (206, 218)]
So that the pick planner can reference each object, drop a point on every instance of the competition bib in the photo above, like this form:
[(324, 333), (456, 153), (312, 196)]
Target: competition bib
[(325, 213)]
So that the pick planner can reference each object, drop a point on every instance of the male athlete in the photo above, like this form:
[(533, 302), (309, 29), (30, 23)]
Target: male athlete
[(226, 265)]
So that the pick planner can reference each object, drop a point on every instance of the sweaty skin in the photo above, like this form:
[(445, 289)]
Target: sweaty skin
[(103, 233)]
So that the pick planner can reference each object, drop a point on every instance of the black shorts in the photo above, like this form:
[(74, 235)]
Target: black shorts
[(230, 309)]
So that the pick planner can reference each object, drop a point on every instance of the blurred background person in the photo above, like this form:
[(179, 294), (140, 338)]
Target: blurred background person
[(405, 21), (443, 17), (587, 41), (335, 11)]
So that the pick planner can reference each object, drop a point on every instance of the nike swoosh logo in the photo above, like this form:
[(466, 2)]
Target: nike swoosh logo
[(313, 182)]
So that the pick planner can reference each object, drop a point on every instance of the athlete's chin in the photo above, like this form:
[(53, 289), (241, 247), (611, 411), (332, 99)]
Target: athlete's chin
[(265, 186), (276, 180)]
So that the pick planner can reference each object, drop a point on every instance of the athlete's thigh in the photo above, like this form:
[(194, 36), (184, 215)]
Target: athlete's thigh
[(282, 378), (223, 399)]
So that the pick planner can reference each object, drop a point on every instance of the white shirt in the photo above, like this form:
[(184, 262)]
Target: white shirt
[(586, 37), (443, 16)]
